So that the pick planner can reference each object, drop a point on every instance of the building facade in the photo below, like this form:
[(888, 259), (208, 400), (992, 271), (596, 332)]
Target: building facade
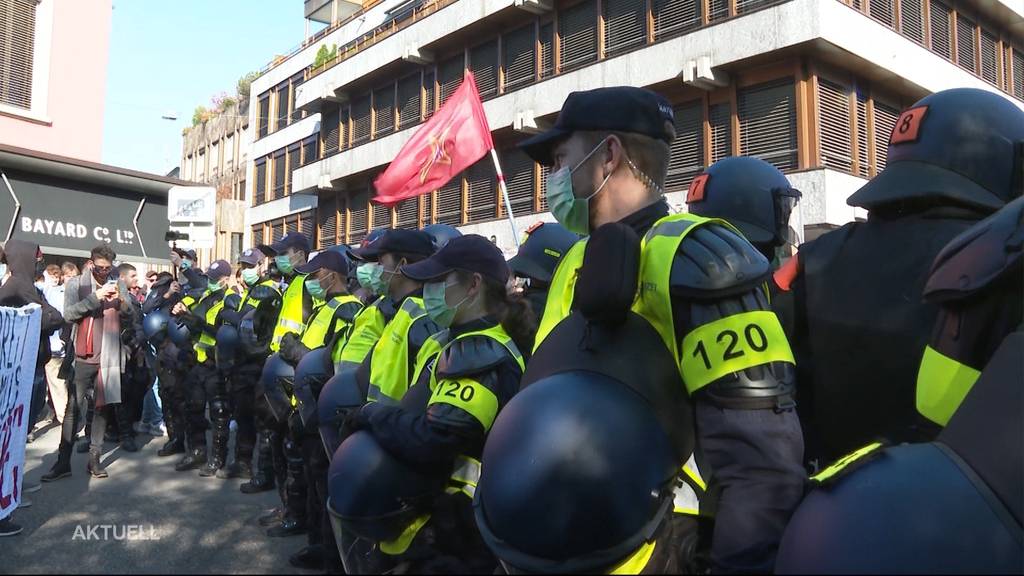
[(216, 153), (812, 86)]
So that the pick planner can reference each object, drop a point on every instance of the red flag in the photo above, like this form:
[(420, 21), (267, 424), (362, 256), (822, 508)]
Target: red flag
[(455, 138)]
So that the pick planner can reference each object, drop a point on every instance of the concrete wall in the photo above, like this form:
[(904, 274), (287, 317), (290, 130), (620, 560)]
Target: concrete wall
[(69, 82)]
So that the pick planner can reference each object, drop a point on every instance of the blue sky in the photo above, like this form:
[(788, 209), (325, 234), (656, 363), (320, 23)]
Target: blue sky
[(170, 56)]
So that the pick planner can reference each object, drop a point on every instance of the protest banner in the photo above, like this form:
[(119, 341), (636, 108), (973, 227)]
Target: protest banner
[(19, 345)]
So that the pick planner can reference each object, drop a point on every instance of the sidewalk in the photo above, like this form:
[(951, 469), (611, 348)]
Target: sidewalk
[(168, 521)]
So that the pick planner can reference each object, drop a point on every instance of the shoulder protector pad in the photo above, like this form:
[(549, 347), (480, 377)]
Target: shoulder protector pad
[(347, 311), (714, 262), (979, 256), (196, 293), (470, 355), (232, 301), (421, 330), (387, 308), (264, 293)]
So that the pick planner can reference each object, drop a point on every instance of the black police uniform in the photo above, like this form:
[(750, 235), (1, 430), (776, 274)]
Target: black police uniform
[(170, 371), (537, 259), (858, 325)]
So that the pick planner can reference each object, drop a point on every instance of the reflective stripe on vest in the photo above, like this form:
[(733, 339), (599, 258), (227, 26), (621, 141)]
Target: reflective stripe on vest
[(401, 544), (206, 342), (389, 366), (466, 393), (291, 318), (845, 461), (560, 293), (366, 330), (942, 385), (636, 563), (321, 325), (465, 476), (689, 489)]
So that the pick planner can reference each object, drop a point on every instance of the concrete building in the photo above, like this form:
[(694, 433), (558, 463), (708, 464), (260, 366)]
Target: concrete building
[(216, 153), (812, 86), (53, 190)]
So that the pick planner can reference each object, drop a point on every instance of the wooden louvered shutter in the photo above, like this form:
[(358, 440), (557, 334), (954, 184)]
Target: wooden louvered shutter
[(280, 174), (428, 93), (744, 6), (672, 17), (381, 215), (257, 234), (483, 61), (518, 169), (263, 115), (577, 28), (940, 29), (449, 202), (519, 59), (408, 212), (309, 152), (542, 193), (965, 43), (883, 11), (625, 25), (547, 50), (360, 120), (292, 224), (291, 163), (885, 121), (834, 125), (359, 214), (450, 75), (278, 228), (482, 195), (687, 150), (767, 114), (260, 186), (718, 10), (331, 130), (17, 47), (989, 58), (1018, 73), (306, 227), (863, 160), (428, 207), (327, 222), (912, 20), (409, 100), (384, 110), (283, 91), (720, 122)]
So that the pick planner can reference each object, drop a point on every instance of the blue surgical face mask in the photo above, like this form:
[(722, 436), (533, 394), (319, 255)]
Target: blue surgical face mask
[(365, 276), (570, 211), (250, 276), (214, 286), (186, 264), (315, 289), (284, 264), (436, 304)]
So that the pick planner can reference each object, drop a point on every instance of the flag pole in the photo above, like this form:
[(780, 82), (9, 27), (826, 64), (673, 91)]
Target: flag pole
[(504, 196)]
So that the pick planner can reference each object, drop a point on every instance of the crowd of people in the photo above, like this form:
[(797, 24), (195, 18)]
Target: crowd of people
[(635, 391)]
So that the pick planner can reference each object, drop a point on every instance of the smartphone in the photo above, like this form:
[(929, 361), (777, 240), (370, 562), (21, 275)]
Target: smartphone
[(111, 282)]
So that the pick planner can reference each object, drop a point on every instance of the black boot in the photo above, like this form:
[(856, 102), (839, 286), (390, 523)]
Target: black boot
[(271, 518), (194, 459), (95, 467), (221, 434), (128, 444), (309, 558), (83, 445), (256, 485), (61, 468), (235, 470), (172, 447), (288, 527)]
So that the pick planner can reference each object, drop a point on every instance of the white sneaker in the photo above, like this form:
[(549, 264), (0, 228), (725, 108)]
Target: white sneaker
[(157, 430)]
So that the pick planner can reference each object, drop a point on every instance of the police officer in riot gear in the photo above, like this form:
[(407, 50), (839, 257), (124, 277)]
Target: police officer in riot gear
[(609, 151), (163, 295), (537, 259), (205, 383), (753, 196), (859, 325), (464, 376), (971, 478)]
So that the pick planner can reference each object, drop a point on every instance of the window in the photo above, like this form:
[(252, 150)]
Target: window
[(863, 157), (260, 189), (912, 20), (409, 101), (263, 112), (384, 110), (295, 81), (687, 150), (518, 168), (965, 43), (408, 213), (381, 215), (547, 50), (306, 224), (767, 114), (280, 175), (257, 234), (1018, 73), (277, 229), (309, 152), (577, 28), (449, 76), (989, 58), (718, 10), (428, 93), (17, 52), (519, 58), (360, 119), (330, 130), (744, 6), (885, 121), (882, 10), (834, 125), (672, 17), (482, 195), (360, 217), (240, 191), (449, 202), (284, 96), (229, 151), (327, 222), (625, 25), (236, 246), (940, 28), (720, 122), (483, 61), (291, 224), (291, 164), (428, 207)]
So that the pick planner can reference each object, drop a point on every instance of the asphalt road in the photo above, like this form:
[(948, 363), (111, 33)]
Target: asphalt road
[(161, 521)]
